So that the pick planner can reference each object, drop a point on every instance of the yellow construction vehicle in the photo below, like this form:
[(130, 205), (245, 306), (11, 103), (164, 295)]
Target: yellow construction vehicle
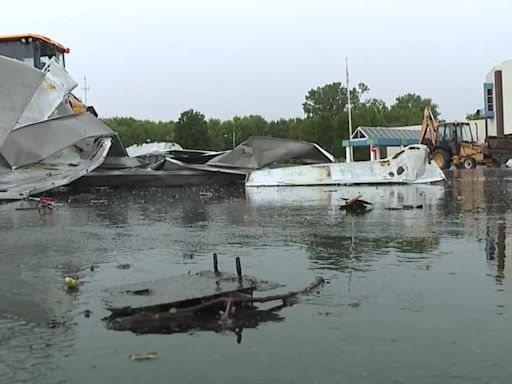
[(37, 51), (452, 143)]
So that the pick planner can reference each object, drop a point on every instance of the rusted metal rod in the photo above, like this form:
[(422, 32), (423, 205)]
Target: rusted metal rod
[(238, 269), (318, 281), (215, 264)]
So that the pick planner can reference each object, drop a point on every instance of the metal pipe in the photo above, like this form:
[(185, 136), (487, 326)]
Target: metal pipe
[(238, 269), (215, 264)]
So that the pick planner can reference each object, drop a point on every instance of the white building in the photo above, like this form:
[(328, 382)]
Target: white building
[(498, 100)]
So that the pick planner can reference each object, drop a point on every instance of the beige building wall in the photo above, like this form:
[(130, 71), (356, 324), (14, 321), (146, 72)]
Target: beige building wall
[(506, 70), (506, 73)]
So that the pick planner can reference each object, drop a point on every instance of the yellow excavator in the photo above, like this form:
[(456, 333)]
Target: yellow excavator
[(37, 51), (453, 143)]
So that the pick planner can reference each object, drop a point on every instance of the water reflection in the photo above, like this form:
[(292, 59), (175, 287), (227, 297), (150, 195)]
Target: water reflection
[(352, 242), (384, 196), (461, 231), (495, 245), (480, 203), (244, 318)]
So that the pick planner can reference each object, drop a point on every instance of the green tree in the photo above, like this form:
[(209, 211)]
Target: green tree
[(221, 134), (328, 101), (133, 131), (370, 113), (408, 110), (191, 130), (247, 126), (474, 116), (327, 110)]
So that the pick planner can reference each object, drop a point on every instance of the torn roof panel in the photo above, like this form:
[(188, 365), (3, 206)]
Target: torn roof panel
[(21, 183), (258, 152), (33, 143), (19, 82), (54, 87)]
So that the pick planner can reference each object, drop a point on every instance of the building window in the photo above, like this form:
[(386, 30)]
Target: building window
[(489, 99)]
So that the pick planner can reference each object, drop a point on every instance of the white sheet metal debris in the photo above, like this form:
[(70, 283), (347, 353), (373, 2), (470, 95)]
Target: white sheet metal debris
[(54, 87), (18, 83), (21, 183), (38, 153), (44, 144), (152, 148), (412, 165)]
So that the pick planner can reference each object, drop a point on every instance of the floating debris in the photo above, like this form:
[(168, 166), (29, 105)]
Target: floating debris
[(71, 284), (144, 356), (43, 204), (405, 207), (356, 205)]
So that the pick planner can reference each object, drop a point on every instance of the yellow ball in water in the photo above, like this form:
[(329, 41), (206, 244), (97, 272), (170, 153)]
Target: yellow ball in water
[(71, 283)]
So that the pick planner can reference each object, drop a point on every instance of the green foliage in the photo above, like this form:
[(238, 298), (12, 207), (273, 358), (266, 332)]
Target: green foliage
[(329, 102), (327, 109), (408, 110), (474, 116), (191, 130), (325, 122), (133, 131)]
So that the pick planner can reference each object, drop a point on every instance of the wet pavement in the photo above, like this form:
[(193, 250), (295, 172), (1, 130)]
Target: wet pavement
[(417, 295)]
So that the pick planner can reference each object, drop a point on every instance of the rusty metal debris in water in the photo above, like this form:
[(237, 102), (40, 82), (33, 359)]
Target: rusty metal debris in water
[(356, 205), (209, 301)]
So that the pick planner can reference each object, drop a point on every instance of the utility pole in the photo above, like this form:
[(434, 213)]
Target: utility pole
[(85, 88), (349, 152), (234, 137)]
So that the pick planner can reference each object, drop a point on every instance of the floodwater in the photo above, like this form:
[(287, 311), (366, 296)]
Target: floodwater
[(412, 295)]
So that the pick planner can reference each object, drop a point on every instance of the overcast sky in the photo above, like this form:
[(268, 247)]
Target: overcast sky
[(154, 59)]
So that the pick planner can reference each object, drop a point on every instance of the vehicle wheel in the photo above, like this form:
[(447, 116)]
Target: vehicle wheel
[(469, 163), (442, 158)]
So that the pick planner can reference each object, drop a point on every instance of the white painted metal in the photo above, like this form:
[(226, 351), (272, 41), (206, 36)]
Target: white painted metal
[(410, 166)]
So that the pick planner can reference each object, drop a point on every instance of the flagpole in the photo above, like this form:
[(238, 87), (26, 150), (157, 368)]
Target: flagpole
[(349, 152)]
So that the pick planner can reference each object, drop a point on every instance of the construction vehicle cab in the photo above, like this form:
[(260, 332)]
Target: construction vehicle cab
[(34, 50)]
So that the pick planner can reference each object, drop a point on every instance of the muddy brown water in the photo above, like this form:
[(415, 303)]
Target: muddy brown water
[(413, 295)]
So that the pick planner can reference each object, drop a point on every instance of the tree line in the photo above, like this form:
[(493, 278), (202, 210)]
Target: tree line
[(325, 121)]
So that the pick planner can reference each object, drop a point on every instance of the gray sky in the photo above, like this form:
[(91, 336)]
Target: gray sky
[(154, 59)]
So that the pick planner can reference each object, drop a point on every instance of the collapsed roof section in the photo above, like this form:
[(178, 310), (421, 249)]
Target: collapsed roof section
[(259, 152), (43, 143), (47, 141)]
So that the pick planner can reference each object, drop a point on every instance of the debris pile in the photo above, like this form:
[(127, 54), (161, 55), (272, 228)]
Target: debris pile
[(47, 139)]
